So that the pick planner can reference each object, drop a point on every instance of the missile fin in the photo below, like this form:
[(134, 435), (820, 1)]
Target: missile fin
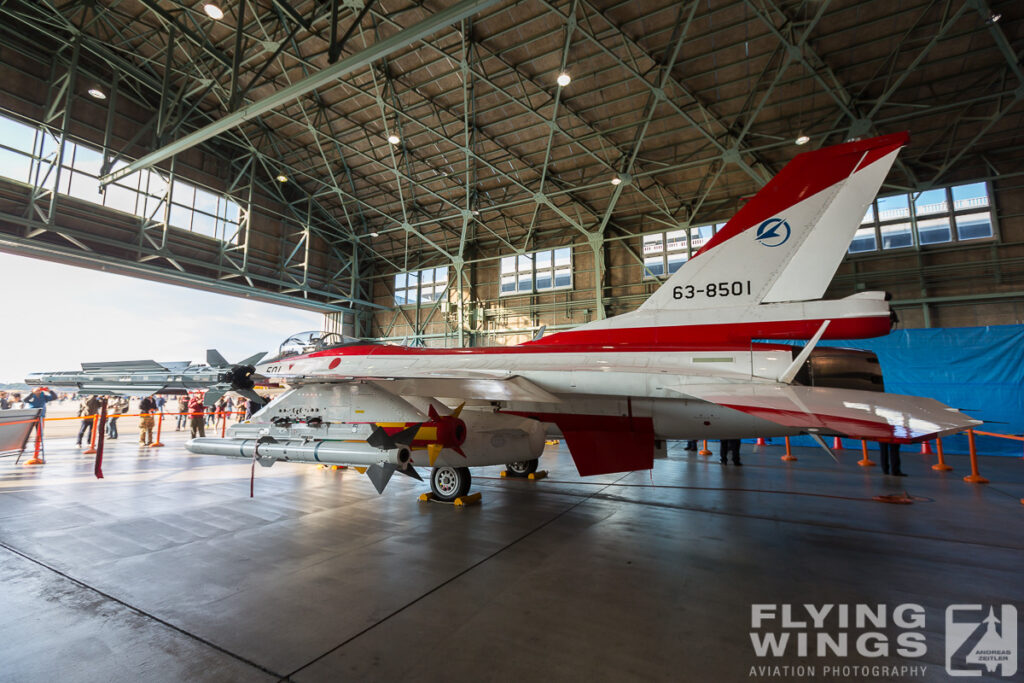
[(410, 471), (407, 435), (379, 439), (380, 475), (433, 451)]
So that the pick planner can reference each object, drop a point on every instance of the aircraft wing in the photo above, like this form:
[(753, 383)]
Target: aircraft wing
[(868, 415), (467, 387)]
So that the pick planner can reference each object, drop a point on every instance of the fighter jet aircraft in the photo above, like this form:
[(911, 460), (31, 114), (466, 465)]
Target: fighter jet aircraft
[(684, 365), (146, 377)]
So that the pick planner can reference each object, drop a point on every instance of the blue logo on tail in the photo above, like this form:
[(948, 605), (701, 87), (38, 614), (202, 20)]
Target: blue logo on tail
[(773, 232)]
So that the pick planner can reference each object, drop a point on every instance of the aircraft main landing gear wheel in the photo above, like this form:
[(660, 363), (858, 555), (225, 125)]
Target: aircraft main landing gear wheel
[(449, 483), (522, 469)]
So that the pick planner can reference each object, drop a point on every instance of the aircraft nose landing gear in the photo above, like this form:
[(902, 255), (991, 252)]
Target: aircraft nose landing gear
[(449, 483)]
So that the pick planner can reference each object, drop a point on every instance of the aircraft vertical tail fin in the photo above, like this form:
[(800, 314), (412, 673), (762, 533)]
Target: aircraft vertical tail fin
[(786, 242)]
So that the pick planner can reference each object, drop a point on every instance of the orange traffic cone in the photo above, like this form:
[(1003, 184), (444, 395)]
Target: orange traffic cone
[(926, 448), (837, 444), (760, 441)]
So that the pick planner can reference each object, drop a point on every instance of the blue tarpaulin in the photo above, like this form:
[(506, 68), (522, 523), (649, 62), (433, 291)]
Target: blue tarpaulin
[(978, 370)]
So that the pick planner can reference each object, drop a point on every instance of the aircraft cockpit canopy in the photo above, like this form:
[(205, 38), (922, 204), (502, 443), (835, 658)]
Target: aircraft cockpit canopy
[(309, 342)]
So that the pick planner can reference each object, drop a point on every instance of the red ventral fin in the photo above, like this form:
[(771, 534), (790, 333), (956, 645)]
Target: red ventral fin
[(602, 444)]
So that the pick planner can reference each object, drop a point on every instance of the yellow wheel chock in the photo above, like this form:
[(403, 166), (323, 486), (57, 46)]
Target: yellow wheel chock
[(460, 502)]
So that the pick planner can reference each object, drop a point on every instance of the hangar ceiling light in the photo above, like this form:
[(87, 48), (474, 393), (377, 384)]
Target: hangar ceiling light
[(213, 11), (393, 139), (564, 79), (802, 139), (97, 93)]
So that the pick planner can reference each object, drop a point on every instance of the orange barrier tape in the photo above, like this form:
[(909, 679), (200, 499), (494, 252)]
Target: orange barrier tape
[(109, 416), (1000, 436)]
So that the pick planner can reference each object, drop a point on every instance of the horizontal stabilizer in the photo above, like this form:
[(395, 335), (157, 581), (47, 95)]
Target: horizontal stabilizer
[(867, 415), (215, 360), (253, 359)]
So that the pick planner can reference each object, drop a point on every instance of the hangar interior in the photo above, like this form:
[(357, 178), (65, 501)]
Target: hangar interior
[(506, 202), (472, 174)]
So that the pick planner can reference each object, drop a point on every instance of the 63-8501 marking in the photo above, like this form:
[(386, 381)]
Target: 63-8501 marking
[(712, 290)]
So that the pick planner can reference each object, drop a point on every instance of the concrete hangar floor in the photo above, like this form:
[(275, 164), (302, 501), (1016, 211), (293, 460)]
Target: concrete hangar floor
[(166, 570)]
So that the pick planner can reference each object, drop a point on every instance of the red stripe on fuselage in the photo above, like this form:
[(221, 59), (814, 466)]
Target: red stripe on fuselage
[(724, 337), (694, 338)]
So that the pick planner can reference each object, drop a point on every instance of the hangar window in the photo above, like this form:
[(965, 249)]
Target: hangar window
[(421, 286), (537, 272), (942, 215), (666, 252), (16, 143), (27, 154)]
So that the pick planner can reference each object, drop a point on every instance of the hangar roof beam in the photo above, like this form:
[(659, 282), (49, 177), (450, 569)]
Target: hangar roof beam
[(363, 58)]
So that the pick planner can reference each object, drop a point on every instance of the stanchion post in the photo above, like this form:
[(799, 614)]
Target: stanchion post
[(704, 451), (223, 424), (941, 465), (97, 468), (864, 461), (159, 428), (91, 450), (973, 477), (35, 459), (788, 455)]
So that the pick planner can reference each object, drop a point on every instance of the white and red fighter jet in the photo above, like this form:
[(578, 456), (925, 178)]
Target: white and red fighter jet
[(684, 365)]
